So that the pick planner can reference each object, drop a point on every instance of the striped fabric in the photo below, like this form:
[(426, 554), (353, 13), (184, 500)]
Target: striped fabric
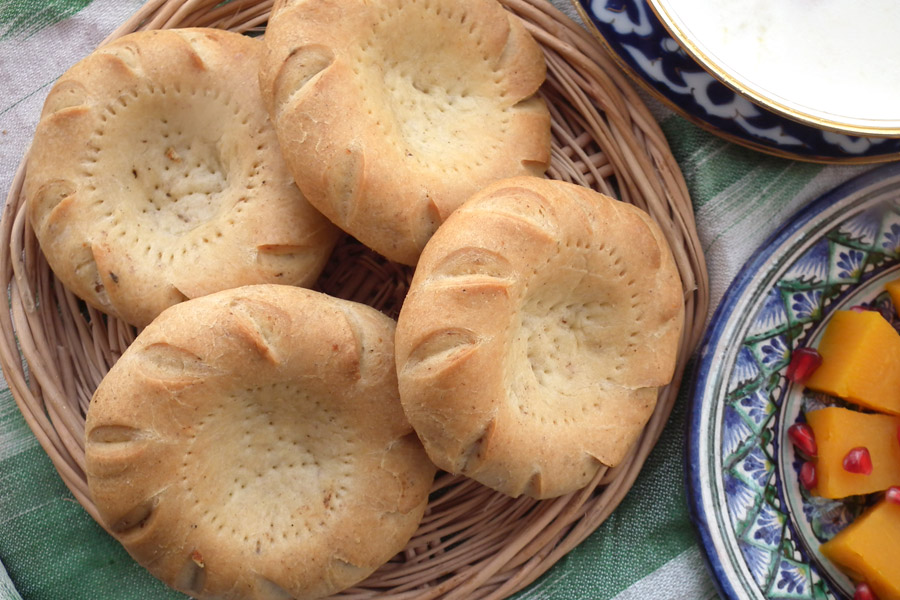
[(21, 19), (51, 549)]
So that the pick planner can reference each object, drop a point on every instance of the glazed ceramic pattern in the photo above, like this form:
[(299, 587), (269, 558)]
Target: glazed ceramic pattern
[(644, 47), (760, 528)]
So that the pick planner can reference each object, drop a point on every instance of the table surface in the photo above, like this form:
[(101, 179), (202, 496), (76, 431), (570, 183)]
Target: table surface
[(50, 548)]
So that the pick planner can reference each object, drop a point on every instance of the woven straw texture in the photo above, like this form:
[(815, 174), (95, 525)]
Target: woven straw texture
[(54, 350)]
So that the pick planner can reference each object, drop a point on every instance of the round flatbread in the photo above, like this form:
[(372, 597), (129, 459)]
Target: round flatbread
[(155, 176), (391, 113), (540, 321), (251, 444)]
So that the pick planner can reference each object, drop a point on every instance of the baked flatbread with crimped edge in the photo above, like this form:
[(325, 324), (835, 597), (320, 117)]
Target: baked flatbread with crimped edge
[(251, 444), (391, 113), (541, 320), (155, 176)]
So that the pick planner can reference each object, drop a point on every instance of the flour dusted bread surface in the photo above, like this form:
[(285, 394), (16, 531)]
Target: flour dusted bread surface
[(541, 319), (392, 112), (155, 175), (251, 444)]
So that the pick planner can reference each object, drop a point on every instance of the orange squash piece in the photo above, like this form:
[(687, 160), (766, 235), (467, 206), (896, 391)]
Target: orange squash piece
[(839, 430), (860, 361), (869, 550), (893, 289)]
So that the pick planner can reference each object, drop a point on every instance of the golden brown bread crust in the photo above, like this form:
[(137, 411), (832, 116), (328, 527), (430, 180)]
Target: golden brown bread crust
[(155, 175), (541, 319), (391, 113), (251, 444)]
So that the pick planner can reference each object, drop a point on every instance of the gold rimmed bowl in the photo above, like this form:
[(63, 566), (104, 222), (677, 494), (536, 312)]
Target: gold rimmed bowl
[(823, 63)]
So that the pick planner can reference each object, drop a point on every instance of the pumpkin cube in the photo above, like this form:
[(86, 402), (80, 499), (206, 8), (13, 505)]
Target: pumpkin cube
[(869, 550), (860, 361), (838, 431)]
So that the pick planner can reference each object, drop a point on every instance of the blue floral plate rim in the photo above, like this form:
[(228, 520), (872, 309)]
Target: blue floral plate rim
[(646, 51), (724, 562)]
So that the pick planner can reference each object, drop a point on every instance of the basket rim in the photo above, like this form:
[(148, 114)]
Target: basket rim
[(646, 174)]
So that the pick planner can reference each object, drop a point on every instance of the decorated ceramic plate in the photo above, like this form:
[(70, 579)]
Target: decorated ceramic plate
[(643, 47), (759, 527)]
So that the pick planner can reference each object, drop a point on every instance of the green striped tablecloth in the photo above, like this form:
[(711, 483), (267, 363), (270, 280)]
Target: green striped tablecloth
[(49, 547)]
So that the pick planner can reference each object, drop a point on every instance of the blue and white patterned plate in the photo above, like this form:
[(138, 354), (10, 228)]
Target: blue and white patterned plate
[(643, 47), (760, 530)]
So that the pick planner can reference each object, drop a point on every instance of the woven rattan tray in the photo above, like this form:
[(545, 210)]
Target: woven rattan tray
[(54, 350)]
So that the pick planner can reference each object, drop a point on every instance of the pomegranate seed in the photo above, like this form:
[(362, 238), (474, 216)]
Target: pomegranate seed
[(802, 436), (864, 592), (858, 461), (804, 362), (808, 477), (892, 494)]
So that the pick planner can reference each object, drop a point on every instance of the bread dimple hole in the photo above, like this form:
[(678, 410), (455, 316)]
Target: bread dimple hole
[(535, 485), (115, 434), (470, 261), (51, 196), (67, 93), (298, 70), (475, 451), (266, 589), (192, 575), (136, 518), (165, 361), (440, 348)]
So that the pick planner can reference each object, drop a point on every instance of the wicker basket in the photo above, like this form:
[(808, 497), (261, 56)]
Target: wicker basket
[(54, 350)]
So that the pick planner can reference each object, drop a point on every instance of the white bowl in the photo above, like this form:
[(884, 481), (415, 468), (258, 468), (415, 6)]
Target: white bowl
[(831, 64)]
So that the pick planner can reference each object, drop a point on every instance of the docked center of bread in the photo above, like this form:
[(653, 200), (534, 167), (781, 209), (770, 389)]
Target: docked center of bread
[(560, 344), (571, 334), (167, 159), (285, 473), (436, 107), (559, 349)]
